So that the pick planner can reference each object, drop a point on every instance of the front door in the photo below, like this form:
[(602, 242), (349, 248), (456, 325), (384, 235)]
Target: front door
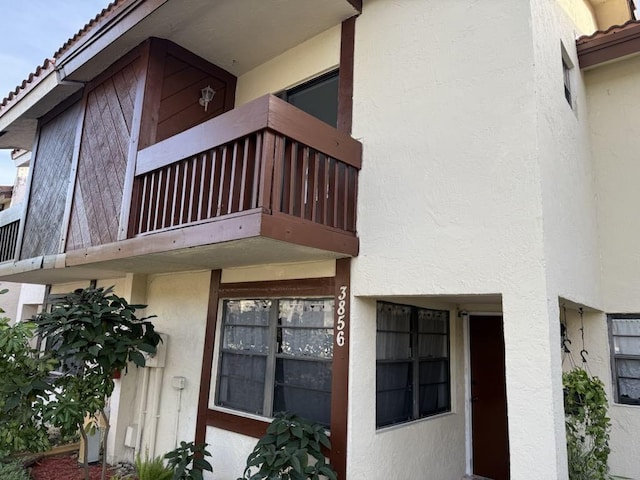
[(490, 435)]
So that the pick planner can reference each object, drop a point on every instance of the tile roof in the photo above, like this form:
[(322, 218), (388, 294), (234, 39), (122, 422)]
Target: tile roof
[(607, 45), (49, 64), (612, 30)]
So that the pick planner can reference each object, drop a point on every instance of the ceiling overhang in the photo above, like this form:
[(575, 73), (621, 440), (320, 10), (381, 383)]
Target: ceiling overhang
[(62, 267), (237, 35)]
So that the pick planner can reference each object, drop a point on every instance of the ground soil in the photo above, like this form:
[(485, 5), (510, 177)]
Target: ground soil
[(64, 467)]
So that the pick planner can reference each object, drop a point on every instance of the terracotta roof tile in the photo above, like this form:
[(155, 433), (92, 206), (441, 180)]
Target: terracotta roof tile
[(609, 31), (48, 65)]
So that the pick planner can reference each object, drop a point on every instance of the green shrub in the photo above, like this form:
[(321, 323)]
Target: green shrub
[(587, 426), (13, 471), (152, 469), (284, 452), (187, 461)]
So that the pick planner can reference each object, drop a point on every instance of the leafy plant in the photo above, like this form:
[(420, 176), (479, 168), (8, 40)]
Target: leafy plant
[(152, 469), (24, 389), (187, 461), (284, 452), (13, 471), (587, 426), (92, 334)]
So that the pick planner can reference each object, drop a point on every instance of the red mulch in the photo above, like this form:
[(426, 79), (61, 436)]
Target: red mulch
[(65, 467)]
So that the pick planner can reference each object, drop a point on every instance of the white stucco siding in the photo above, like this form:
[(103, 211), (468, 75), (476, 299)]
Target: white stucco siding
[(229, 453), (317, 55), (614, 112), (449, 190), (568, 193), (625, 419), (450, 202), (431, 448), (179, 302), (581, 14)]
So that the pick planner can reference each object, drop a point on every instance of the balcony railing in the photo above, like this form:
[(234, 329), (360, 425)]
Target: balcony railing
[(9, 226), (264, 156)]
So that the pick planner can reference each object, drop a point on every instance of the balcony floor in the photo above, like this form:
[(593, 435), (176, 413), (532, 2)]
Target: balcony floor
[(255, 238)]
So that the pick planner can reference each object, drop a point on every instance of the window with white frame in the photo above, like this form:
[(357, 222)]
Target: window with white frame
[(276, 356), (567, 73), (625, 351), (412, 374)]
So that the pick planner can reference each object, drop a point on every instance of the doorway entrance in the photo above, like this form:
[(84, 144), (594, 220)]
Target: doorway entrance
[(490, 436)]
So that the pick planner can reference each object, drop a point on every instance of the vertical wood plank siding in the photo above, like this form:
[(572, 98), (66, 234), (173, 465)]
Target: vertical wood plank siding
[(280, 168), (179, 107), (103, 160), (51, 169)]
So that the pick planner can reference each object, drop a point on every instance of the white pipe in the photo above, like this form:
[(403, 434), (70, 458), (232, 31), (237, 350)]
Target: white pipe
[(143, 409), (155, 410), (175, 444)]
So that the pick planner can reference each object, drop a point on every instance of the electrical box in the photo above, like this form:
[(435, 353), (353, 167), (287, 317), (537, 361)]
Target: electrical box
[(179, 383), (157, 360), (130, 436)]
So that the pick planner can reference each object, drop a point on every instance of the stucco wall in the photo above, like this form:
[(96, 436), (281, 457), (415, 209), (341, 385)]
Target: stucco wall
[(614, 112), (448, 120), (568, 195), (179, 302), (10, 300), (569, 200), (433, 447), (625, 419), (581, 14), (308, 60)]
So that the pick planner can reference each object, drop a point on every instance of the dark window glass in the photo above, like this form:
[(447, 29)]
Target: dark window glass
[(276, 356), (412, 377), (625, 348), (318, 97)]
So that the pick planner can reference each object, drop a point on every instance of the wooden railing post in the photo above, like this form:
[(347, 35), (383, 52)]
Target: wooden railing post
[(266, 155)]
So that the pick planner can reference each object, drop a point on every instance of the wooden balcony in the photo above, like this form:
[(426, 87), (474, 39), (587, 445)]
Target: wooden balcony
[(9, 226), (266, 157), (263, 183)]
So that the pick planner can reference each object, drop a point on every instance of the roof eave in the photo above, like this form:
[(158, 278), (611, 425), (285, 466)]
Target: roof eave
[(608, 46)]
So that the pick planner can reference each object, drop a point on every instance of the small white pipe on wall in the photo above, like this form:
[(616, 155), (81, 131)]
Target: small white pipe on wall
[(143, 409)]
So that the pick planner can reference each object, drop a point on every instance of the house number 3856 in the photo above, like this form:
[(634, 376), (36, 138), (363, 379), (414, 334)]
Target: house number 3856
[(342, 308)]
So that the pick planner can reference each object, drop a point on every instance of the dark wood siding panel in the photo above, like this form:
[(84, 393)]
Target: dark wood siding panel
[(51, 170), (179, 106), (103, 160)]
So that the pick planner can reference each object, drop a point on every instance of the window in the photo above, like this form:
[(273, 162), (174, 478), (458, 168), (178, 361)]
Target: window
[(276, 355), (625, 350), (317, 97), (412, 375), (567, 67)]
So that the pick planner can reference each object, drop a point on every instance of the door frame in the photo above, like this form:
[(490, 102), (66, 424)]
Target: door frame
[(467, 382)]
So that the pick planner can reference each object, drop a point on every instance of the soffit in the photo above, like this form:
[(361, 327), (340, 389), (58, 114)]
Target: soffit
[(237, 35), (237, 253)]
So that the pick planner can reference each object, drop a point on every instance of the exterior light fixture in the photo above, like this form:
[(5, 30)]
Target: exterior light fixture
[(206, 95)]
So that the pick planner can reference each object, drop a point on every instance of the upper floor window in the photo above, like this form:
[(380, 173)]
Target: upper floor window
[(276, 356), (317, 97), (625, 351), (567, 73), (412, 374)]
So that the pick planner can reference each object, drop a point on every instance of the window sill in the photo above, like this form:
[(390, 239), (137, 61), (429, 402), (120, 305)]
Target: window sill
[(409, 423), (238, 422), (619, 404)]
